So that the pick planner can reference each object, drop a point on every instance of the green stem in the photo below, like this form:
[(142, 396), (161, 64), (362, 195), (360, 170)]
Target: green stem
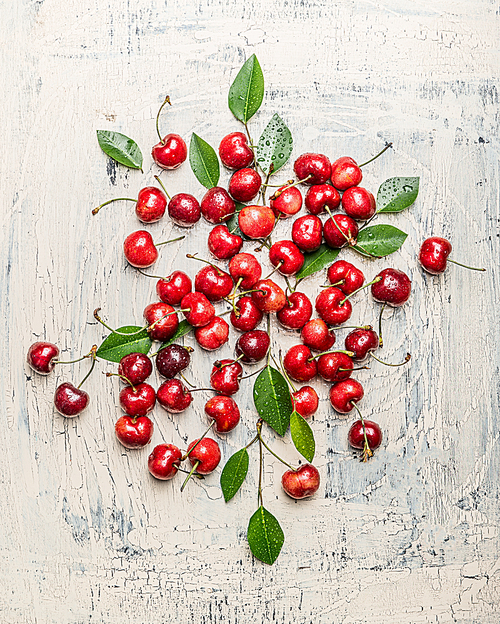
[(273, 453), (349, 353), (387, 146), (198, 441), (250, 143), (193, 469), (96, 210), (260, 500), (93, 355), (375, 281), (167, 101), (173, 240), (406, 360), (465, 265), (157, 178), (380, 341), (125, 379)]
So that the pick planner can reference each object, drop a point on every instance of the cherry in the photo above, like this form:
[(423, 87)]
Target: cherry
[(173, 288), (299, 364), (344, 394), (316, 335), (216, 205), (301, 483), (315, 167), (307, 232), (268, 296), (223, 244), (172, 360), (134, 432), (320, 196), (356, 435), (286, 202), (171, 151), (41, 356), (214, 283), (245, 269), (173, 396), (205, 454), (305, 401), (225, 377), (256, 221), (184, 210), (199, 310), (137, 400), (164, 461), (328, 306), (244, 185), (69, 400), (234, 151), (166, 327), (287, 257), (212, 335), (345, 276), (358, 203), (248, 315), (361, 342), (253, 346), (335, 366), (150, 205), (224, 411), (140, 250), (135, 367), (296, 312), (394, 288), (340, 230), (434, 253), (345, 173)]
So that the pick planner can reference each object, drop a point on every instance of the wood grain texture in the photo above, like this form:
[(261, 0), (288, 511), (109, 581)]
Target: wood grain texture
[(87, 536)]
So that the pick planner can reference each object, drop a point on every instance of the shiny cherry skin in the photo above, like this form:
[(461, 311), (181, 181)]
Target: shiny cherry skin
[(344, 393), (214, 283), (134, 433), (235, 152), (317, 336), (225, 377), (361, 342), (335, 366), (172, 360), (433, 254), (340, 230), (345, 276), (287, 256), (345, 173), (307, 233), (253, 346), (216, 205), (199, 309), (268, 296), (174, 288), (394, 288), (296, 312), (136, 367), (299, 364), (173, 396), (359, 203), (256, 221), (164, 328), (356, 435), (305, 401), (164, 461), (248, 317), (137, 400), (184, 210), (212, 335), (223, 244), (317, 166), (171, 152), (245, 269), (286, 202), (70, 401), (207, 454), (224, 411), (140, 250), (41, 356), (301, 483), (244, 185), (151, 204), (321, 196), (329, 308)]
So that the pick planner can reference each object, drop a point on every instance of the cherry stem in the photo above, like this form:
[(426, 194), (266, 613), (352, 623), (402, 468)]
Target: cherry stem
[(354, 369), (367, 327), (259, 433), (195, 257), (167, 101), (255, 373), (349, 353), (125, 379), (278, 185), (186, 455), (375, 281), (465, 265), (157, 178), (232, 362), (148, 275), (261, 464), (147, 327), (173, 240), (84, 357), (251, 145), (406, 360), (387, 146), (94, 357), (290, 288), (96, 210), (193, 470), (264, 186), (367, 452), (380, 340), (188, 382), (252, 441), (198, 476), (285, 374), (232, 297), (349, 239), (290, 184), (276, 268)]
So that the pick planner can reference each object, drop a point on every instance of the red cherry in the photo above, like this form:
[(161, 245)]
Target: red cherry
[(200, 310), (165, 328), (249, 315), (361, 342), (214, 283), (356, 435), (41, 356), (246, 266), (136, 367), (299, 364), (296, 312), (138, 400), (316, 335), (256, 221), (173, 396), (225, 377), (224, 411), (253, 346), (184, 210), (328, 306), (134, 432), (317, 166), (139, 249), (335, 366), (207, 453), (301, 483), (287, 202), (340, 230), (345, 173), (216, 205), (170, 153), (70, 401), (394, 288), (359, 203), (223, 244), (151, 204), (212, 335), (268, 296), (345, 276), (344, 394), (305, 401), (164, 461), (173, 288), (307, 233), (320, 196), (234, 151), (172, 360), (244, 185), (287, 256), (433, 254)]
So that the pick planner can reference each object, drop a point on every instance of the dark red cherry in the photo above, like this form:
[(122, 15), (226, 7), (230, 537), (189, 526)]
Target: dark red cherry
[(216, 205), (234, 151), (356, 435), (361, 342), (359, 203), (344, 394), (164, 319), (224, 411), (223, 244), (345, 276), (394, 288), (214, 283), (299, 364), (287, 257), (134, 433), (137, 400), (170, 152), (212, 335), (320, 196), (305, 401), (248, 315), (296, 312), (345, 173), (307, 233), (172, 360), (173, 288), (69, 400), (244, 185), (173, 396), (135, 367), (164, 461), (41, 356), (184, 210), (317, 336), (315, 167), (253, 346), (329, 308), (340, 230)]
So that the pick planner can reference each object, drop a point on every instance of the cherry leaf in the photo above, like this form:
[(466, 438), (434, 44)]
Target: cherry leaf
[(275, 145), (204, 162), (247, 91), (234, 473), (233, 224), (183, 329), (379, 240), (116, 346), (396, 194), (120, 148), (265, 536), (272, 399), (317, 260), (302, 436)]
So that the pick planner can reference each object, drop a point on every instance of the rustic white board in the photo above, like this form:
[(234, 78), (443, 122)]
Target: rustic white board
[(87, 535)]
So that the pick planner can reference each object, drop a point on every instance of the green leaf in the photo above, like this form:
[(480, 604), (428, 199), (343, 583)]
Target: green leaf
[(204, 162), (232, 223), (317, 260), (265, 536), (234, 473), (183, 329), (379, 240), (247, 91), (272, 399), (116, 346), (120, 148), (275, 145), (302, 436), (396, 194)]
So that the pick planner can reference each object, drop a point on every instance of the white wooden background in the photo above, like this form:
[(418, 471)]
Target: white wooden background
[(87, 535)]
